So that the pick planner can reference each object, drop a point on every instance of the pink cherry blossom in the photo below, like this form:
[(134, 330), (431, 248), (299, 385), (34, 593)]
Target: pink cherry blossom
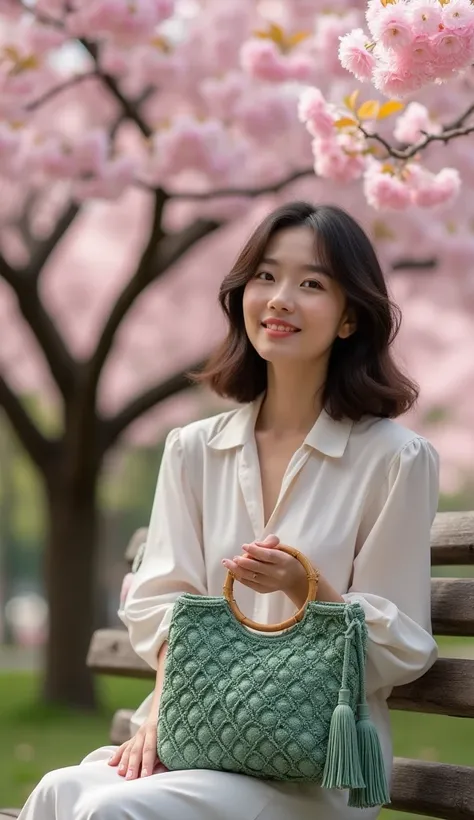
[(355, 56), (117, 175), (41, 39), (53, 8), (453, 49), (153, 66), (91, 151), (335, 159), (262, 60), (385, 191), (222, 94), (11, 9), (429, 190), (396, 78), (314, 111), (114, 60), (10, 145), (392, 26), (262, 115), (457, 15), (414, 120), (426, 16), (324, 45), (123, 22), (190, 144)]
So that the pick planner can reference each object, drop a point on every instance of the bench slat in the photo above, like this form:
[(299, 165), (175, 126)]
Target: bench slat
[(433, 789), (110, 653), (446, 689), (452, 539), (452, 606)]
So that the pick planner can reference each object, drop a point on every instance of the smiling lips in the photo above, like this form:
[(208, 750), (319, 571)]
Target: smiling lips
[(278, 328)]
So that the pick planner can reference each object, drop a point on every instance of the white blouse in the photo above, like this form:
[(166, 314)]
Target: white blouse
[(358, 498)]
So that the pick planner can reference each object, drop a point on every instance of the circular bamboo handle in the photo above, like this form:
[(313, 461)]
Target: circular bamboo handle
[(313, 579)]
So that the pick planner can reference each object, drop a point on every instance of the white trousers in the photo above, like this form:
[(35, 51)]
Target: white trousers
[(94, 790)]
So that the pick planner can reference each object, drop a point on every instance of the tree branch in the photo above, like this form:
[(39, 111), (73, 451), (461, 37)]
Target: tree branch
[(449, 132), (160, 253), (38, 446), (42, 249), (7, 272), (415, 264), (53, 346), (128, 107), (53, 92), (273, 188), (115, 426)]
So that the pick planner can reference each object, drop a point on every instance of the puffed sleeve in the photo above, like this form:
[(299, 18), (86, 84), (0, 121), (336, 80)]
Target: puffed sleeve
[(391, 576), (173, 560)]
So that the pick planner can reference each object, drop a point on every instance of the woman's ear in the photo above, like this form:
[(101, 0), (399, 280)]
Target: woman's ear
[(348, 324)]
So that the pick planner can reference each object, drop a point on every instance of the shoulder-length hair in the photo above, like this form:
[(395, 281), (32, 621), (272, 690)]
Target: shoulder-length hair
[(362, 376)]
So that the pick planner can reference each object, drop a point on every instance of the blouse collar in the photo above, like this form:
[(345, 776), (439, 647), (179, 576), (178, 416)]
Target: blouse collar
[(328, 436)]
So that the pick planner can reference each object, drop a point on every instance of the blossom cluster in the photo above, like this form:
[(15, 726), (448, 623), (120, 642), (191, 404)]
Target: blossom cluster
[(410, 44), (342, 152)]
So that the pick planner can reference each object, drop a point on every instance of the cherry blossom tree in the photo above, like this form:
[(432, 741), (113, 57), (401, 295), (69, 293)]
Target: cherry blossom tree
[(195, 114)]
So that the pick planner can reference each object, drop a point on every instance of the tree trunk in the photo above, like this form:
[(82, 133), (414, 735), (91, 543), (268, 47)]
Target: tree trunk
[(71, 554)]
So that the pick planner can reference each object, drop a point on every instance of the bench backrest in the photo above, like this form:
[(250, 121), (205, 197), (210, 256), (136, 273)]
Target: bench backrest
[(435, 789)]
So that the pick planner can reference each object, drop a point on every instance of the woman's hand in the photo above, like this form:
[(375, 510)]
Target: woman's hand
[(138, 757), (265, 568)]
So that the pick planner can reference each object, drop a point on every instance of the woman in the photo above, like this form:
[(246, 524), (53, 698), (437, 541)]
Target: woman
[(312, 459)]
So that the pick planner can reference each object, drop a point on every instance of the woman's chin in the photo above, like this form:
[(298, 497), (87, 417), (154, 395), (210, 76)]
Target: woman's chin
[(272, 354)]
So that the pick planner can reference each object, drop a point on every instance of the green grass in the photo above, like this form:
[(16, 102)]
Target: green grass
[(36, 739)]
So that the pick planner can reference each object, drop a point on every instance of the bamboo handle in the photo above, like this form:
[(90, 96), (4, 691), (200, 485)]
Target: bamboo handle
[(313, 579)]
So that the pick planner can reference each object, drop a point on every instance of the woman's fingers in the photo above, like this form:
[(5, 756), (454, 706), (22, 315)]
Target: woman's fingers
[(136, 757), (149, 754), (116, 757), (123, 767)]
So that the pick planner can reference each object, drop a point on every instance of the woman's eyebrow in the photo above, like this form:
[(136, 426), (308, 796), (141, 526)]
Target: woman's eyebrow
[(268, 260)]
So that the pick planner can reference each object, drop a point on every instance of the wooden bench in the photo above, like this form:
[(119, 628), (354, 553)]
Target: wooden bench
[(418, 786)]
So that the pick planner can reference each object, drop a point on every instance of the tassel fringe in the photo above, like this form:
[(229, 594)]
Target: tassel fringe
[(354, 758), (342, 769)]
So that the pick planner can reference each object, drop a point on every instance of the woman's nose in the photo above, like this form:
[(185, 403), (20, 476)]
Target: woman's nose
[(281, 300)]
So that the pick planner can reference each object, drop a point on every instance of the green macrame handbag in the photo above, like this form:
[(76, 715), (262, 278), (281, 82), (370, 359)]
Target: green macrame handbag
[(288, 707)]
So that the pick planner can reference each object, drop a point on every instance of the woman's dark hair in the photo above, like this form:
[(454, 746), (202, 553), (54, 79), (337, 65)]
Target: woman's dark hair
[(362, 377)]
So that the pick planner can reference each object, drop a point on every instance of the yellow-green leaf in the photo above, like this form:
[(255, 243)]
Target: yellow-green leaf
[(262, 35), (277, 34), (11, 53), (298, 37), (380, 230), (388, 108), (344, 122), (351, 99), (368, 110)]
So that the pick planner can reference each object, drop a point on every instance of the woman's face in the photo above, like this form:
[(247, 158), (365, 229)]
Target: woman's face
[(293, 308)]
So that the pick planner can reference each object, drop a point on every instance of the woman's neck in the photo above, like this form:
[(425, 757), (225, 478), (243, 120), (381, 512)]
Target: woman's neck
[(291, 404)]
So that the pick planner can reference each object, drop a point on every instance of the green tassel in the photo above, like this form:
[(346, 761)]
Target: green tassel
[(376, 791), (342, 769)]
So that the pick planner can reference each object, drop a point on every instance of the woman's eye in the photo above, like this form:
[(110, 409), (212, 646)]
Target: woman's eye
[(265, 275), (312, 284)]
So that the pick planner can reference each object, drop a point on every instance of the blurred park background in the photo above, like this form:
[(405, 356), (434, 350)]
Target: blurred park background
[(108, 295)]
